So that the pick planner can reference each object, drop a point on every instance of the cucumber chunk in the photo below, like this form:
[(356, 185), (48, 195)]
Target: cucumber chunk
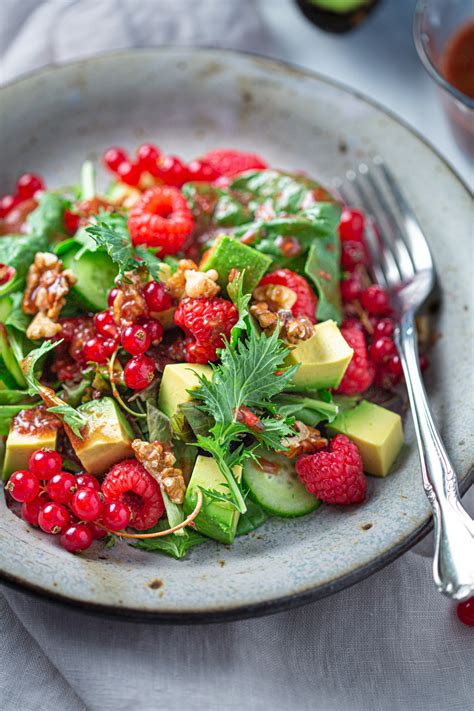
[(280, 493), (95, 274)]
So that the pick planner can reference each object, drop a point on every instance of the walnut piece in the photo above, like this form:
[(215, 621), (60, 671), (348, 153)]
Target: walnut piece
[(129, 304), (200, 284), (276, 296), (177, 282), (306, 441), (159, 462), (47, 284), (266, 318), (293, 329)]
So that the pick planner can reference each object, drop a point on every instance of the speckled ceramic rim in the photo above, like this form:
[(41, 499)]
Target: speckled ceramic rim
[(285, 602)]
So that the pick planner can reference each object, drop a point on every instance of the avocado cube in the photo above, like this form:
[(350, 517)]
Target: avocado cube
[(30, 430), (177, 379), (322, 359), (217, 519), (108, 437), (376, 431), (228, 253)]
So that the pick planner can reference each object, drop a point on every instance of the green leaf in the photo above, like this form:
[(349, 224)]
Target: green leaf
[(254, 517), (71, 417), (322, 267), (198, 421), (14, 397), (148, 258), (7, 413), (48, 218), (159, 425), (18, 251), (172, 545), (111, 233), (213, 495), (310, 410), (16, 317), (241, 301)]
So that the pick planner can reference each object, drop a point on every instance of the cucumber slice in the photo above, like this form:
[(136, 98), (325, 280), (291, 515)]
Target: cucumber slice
[(282, 493), (95, 274)]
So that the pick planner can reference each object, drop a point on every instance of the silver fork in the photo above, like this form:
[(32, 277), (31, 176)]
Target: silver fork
[(402, 263)]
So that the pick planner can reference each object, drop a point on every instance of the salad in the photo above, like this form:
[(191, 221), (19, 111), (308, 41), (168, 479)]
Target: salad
[(189, 352)]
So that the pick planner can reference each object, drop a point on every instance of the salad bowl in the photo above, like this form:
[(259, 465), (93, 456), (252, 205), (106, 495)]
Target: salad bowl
[(189, 101)]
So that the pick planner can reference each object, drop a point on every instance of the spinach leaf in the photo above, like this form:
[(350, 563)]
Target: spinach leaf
[(310, 410), (172, 545), (16, 318), (18, 251), (14, 397), (159, 425), (322, 267), (253, 518), (48, 218)]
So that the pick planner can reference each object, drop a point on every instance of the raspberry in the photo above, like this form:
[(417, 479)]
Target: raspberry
[(229, 162), (335, 476), (306, 300), (161, 218), (130, 483), (207, 320), (360, 372)]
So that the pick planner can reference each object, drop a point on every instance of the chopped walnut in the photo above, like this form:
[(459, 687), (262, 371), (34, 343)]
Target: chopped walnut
[(47, 284), (158, 461), (129, 304), (293, 329), (306, 441), (277, 296), (177, 282), (201, 283), (266, 318), (125, 196)]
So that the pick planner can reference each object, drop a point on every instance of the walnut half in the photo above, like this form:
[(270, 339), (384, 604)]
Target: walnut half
[(159, 462), (306, 441)]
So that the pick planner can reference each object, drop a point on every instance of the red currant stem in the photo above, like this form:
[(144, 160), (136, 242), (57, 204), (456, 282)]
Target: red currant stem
[(115, 391), (363, 317), (187, 522)]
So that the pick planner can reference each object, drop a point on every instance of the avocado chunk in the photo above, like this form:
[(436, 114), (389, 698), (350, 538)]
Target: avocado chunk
[(228, 253), (177, 379), (95, 273), (30, 429), (376, 431), (108, 438), (217, 519), (322, 359)]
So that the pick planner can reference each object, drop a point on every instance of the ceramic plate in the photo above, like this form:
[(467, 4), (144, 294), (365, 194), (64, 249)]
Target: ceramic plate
[(189, 101)]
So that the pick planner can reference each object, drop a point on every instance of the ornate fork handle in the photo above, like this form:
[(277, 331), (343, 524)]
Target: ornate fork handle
[(453, 564)]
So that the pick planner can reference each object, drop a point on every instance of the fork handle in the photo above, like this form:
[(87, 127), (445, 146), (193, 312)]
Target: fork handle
[(453, 563)]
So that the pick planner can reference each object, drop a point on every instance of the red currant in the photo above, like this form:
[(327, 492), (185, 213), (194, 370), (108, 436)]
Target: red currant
[(53, 518), (113, 157), (116, 515), (87, 504), (111, 297), (28, 184), (383, 327), (147, 156), (45, 463), (105, 325), (156, 296), (465, 611), (77, 537), (394, 365), (351, 226), (99, 349), (351, 288), (173, 171), (129, 173), (135, 340), (61, 487), (352, 254), (154, 330), (88, 481), (423, 361), (71, 221), (199, 170), (30, 509), (7, 273), (7, 203), (374, 299), (381, 349), (97, 531), (139, 372), (23, 486)]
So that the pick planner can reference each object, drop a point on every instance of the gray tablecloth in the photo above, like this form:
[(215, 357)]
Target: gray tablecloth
[(389, 643)]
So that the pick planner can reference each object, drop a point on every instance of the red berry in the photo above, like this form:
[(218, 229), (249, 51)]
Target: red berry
[(156, 296), (129, 173), (381, 349), (139, 372), (385, 379), (61, 487), (147, 156), (161, 218), (351, 288), (45, 463), (77, 537), (352, 254), (335, 476), (87, 504), (360, 372), (394, 365), (71, 221), (99, 349), (374, 299), (154, 330), (465, 611), (28, 184), (351, 227), (172, 171), (423, 361), (111, 297), (232, 162), (6, 273), (105, 325), (135, 340), (53, 518), (116, 515), (7, 203), (130, 483), (30, 509), (208, 321), (87, 481), (97, 532), (113, 157), (199, 170), (384, 327), (306, 300), (23, 486)]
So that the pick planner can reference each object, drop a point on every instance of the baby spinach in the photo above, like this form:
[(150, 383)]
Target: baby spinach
[(252, 519), (48, 218), (18, 251), (172, 545), (322, 268)]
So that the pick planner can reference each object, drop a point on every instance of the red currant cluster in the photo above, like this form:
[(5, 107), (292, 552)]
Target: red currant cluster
[(61, 503), (169, 170), (371, 300), (26, 188)]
